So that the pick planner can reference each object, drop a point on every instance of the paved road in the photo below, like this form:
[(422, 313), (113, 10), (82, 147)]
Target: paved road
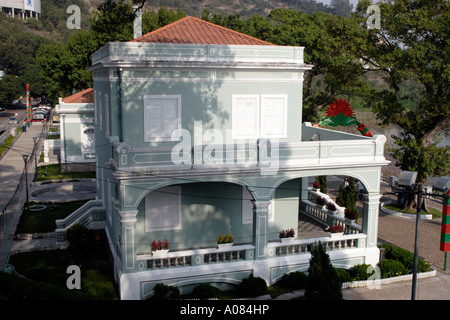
[(11, 168)]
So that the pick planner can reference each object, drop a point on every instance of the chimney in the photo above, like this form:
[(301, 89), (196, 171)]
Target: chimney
[(137, 23)]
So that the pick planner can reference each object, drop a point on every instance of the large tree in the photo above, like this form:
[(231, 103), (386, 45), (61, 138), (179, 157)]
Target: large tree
[(329, 42), (412, 45)]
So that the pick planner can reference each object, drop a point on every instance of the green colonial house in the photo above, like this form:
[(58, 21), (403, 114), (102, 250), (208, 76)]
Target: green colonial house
[(199, 133), (77, 131)]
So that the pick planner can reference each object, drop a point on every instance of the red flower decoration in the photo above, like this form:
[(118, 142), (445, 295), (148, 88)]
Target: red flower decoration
[(339, 106)]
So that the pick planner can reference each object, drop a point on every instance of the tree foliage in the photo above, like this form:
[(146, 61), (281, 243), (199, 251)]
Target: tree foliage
[(410, 52), (412, 44), (322, 282)]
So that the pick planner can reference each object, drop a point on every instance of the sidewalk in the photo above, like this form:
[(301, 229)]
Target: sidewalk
[(11, 168)]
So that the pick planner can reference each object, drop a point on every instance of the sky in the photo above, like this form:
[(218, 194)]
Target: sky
[(327, 2)]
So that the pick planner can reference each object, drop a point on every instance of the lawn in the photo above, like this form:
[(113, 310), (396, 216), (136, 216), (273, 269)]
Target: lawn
[(398, 208), (51, 267), (44, 220), (53, 172)]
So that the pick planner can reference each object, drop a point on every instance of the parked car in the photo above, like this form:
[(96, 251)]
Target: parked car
[(13, 120)]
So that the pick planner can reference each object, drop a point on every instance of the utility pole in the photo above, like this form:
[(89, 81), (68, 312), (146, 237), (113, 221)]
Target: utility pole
[(25, 160), (416, 245), (35, 139)]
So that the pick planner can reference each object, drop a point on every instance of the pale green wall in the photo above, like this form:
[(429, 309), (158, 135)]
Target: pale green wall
[(208, 101), (210, 209)]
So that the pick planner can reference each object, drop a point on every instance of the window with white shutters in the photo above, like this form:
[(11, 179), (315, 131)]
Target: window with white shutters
[(259, 116), (273, 116), (161, 117), (245, 116)]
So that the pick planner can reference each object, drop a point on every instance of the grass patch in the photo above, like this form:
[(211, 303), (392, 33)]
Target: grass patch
[(50, 267), (397, 207), (53, 172), (53, 137), (44, 220)]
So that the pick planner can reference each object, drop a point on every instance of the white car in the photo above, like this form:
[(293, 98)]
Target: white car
[(13, 120)]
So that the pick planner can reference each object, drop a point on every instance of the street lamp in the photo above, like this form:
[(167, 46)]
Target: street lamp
[(407, 179), (25, 160), (35, 139), (7, 268)]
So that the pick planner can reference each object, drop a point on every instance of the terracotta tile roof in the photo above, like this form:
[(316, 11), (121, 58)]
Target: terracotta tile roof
[(194, 30), (85, 96)]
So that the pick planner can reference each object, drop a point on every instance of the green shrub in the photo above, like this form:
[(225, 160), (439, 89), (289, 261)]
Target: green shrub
[(294, 280), (101, 291), (343, 275), (79, 237), (252, 287), (360, 272), (165, 292), (205, 291), (391, 268), (405, 257), (322, 282)]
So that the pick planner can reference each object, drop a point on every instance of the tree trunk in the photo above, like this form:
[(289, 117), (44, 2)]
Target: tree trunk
[(429, 136)]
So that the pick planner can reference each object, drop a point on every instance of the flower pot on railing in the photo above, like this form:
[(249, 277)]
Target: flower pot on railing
[(287, 236), (224, 242), (321, 202), (160, 248), (350, 216), (224, 246), (287, 240), (316, 186), (160, 253), (336, 231), (332, 208), (336, 234)]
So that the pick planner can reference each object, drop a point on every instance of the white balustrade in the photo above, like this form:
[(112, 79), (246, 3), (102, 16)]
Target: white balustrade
[(326, 216)]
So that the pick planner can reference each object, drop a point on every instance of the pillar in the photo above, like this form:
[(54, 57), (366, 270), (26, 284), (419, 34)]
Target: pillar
[(303, 193), (371, 205), (128, 254), (260, 227)]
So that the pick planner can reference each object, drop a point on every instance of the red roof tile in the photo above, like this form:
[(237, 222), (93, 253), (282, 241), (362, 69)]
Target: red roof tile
[(85, 96), (194, 30)]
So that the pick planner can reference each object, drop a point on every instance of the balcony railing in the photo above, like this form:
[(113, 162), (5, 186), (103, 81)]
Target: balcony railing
[(321, 214), (245, 252), (334, 148)]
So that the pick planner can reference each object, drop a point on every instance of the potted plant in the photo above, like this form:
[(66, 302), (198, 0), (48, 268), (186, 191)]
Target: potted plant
[(332, 207), (336, 230), (350, 215), (224, 242), (316, 186), (160, 248), (321, 202), (287, 235)]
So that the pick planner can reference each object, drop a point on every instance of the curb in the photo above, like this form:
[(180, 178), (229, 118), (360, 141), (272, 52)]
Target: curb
[(377, 282), (402, 214)]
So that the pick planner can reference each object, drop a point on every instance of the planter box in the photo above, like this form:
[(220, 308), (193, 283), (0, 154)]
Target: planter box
[(224, 246), (160, 253), (336, 235), (287, 240)]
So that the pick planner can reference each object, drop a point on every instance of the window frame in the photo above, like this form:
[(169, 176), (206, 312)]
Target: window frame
[(260, 130), (159, 138)]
